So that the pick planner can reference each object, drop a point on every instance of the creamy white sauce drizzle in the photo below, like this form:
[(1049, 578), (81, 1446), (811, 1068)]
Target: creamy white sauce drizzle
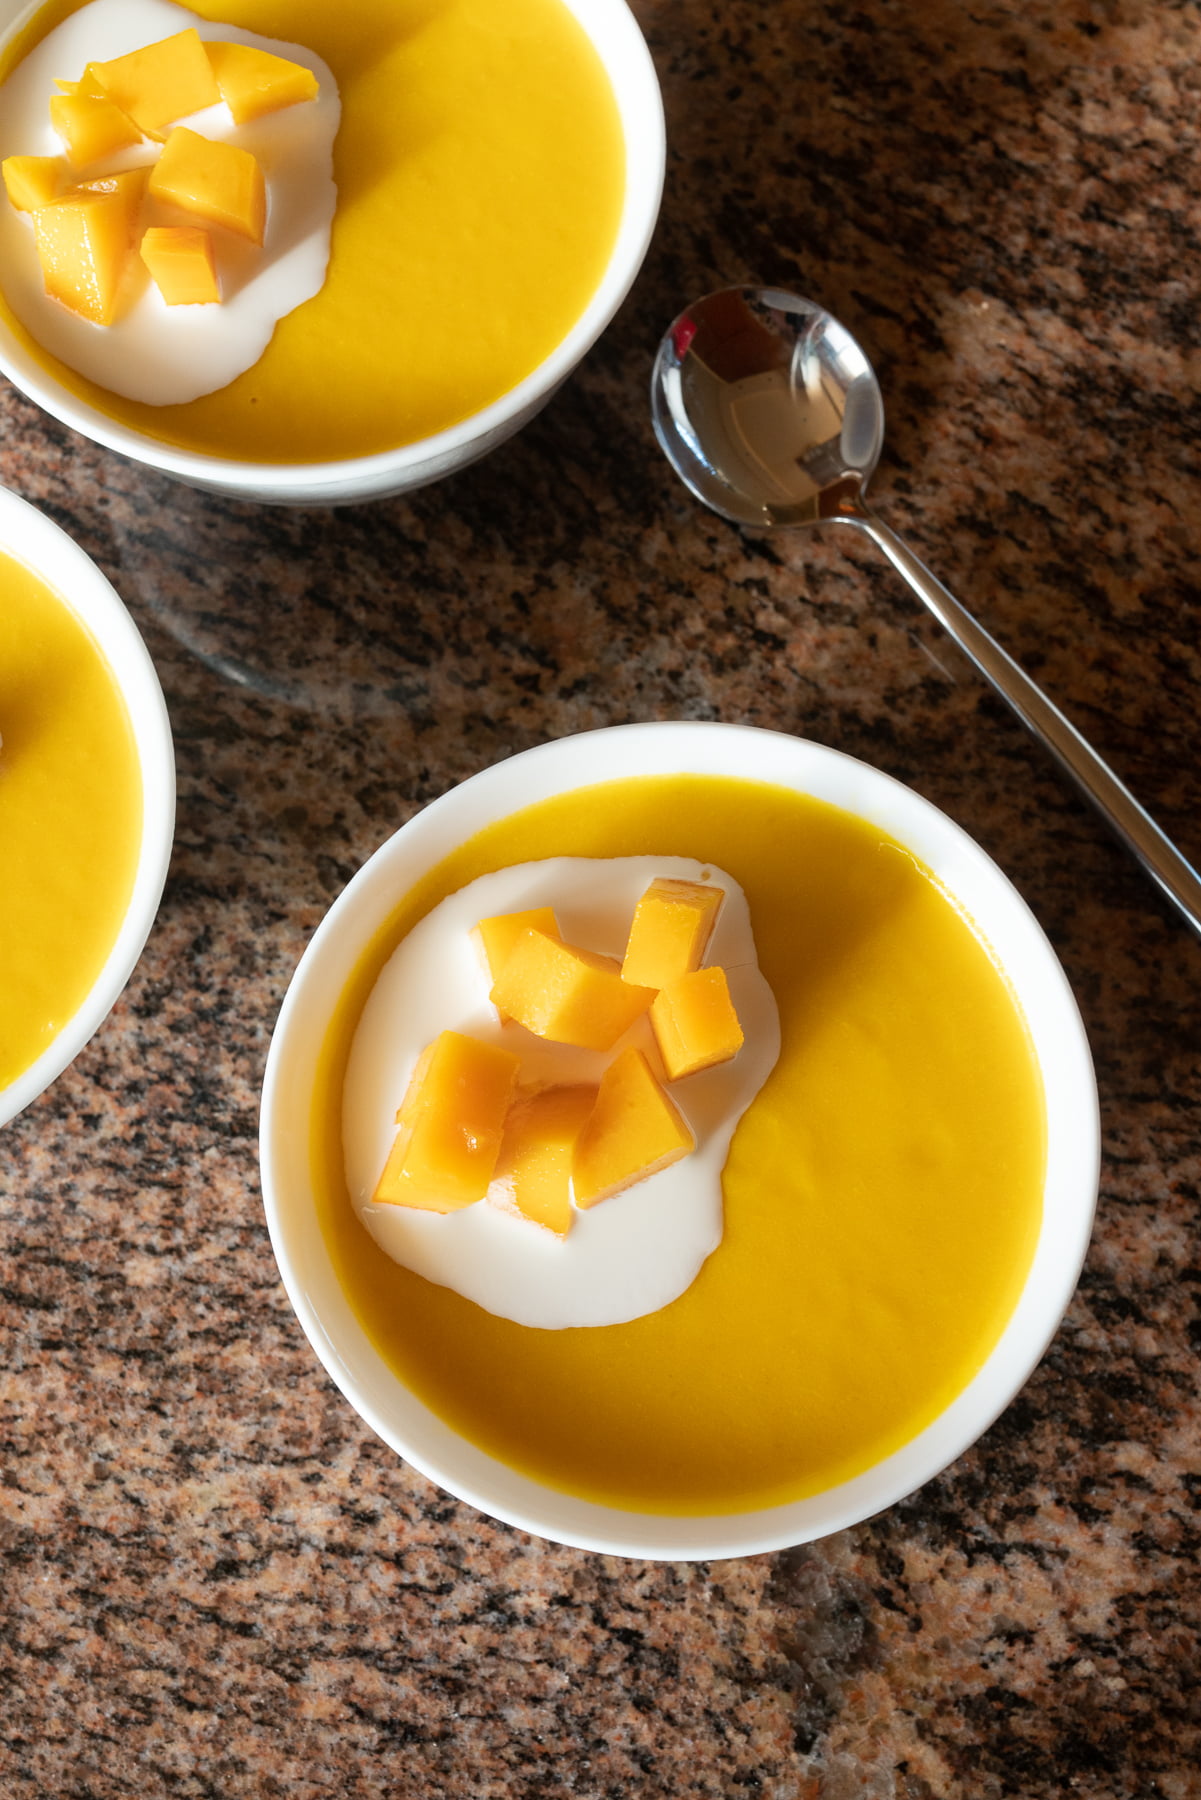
[(631, 1254), (158, 353)]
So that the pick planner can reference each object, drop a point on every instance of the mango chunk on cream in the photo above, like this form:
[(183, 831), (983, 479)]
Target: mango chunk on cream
[(570, 1134), (533, 1173), (87, 84), (82, 244), (91, 128), (160, 83), (565, 994), (497, 937), (221, 183), (633, 1131), (253, 82), (451, 1124), (181, 264), (113, 106), (695, 1023), (32, 181), (130, 187), (670, 933)]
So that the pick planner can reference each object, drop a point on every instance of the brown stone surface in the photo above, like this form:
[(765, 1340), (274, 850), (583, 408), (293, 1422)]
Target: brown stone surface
[(214, 1581)]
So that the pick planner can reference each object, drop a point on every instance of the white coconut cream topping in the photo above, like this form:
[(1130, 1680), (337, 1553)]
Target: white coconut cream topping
[(154, 352), (629, 1255)]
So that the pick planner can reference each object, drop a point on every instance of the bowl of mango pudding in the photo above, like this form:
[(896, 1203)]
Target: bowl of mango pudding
[(87, 800), (309, 254), (679, 1141)]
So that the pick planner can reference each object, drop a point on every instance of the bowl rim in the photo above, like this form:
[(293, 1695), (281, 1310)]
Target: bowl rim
[(667, 747), (636, 88), (32, 538)]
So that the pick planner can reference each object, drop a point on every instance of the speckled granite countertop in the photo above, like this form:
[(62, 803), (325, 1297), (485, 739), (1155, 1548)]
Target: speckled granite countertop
[(215, 1580)]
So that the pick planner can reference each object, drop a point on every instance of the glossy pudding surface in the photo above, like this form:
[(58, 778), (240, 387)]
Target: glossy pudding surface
[(70, 815), (882, 1196)]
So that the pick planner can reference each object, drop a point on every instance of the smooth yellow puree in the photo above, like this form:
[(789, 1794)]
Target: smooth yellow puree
[(882, 1196), (480, 167), (70, 815)]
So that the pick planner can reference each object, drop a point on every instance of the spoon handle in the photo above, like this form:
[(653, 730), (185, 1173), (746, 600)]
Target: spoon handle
[(1074, 754)]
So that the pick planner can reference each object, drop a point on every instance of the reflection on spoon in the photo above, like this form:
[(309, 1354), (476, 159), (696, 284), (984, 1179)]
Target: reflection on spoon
[(768, 409)]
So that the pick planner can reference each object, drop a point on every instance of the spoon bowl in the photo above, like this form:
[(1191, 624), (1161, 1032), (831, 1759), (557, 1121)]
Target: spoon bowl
[(767, 408), (769, 411)]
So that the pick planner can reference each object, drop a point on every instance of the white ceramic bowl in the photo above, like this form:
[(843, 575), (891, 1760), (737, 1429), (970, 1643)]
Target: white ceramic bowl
[(1073, 1151), (36, 541), (622, 49)]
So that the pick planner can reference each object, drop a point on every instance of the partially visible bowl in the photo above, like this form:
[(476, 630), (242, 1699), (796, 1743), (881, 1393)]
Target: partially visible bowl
[(34, 540), (292, 1085), (623, 52)]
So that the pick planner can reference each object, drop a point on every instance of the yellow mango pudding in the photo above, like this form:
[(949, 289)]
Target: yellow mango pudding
[(601, 1337), (298, 252), (86, 800)]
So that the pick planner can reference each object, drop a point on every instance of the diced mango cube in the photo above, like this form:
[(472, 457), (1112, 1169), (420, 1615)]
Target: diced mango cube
[(672, 925), (130, 187), (695, 1023), (451, 1125), (91, 129), (180, 260), (416, 1094), (83, 243), (32, 180), (253, 82), (497, 936), (87, 84), (160, 83), (219, 182), (633, 1131), (535, 1161), (568, 995)]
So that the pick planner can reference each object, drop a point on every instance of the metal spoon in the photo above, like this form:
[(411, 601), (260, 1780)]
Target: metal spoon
[(769, 411)]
